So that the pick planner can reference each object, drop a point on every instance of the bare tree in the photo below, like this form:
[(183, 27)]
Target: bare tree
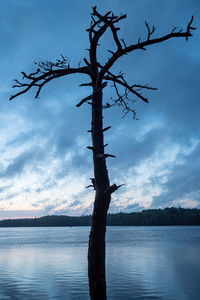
[(100, 75)]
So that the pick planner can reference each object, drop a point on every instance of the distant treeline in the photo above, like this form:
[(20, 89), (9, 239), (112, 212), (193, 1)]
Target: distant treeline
[(150, 217)]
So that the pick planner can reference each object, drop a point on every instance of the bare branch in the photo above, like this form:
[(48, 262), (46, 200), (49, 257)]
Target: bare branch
[(87, 63), (100, 23), (110, 51), (189, 28), (86, 84), (88, 186), (144, 87), (92, 184), (95, 32), (44, 74), (142, 45), (128, 87), (150, 31), (111, 189), (106, 128), (90, 148), (84, 100), (124, 101), (123, 42), (108, 105), (109, 155), (110, 21), (120, 80)]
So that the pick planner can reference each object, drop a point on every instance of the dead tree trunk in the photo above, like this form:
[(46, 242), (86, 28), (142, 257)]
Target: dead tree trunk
[(96, 249), (100, 75)]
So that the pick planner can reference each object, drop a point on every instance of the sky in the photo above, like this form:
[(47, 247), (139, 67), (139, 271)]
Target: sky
[(44, 163)]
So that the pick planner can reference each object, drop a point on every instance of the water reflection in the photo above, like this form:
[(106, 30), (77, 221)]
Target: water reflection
[(142, 263), (44, 273)]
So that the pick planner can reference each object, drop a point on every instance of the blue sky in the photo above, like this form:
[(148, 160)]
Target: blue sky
[(44, 163)]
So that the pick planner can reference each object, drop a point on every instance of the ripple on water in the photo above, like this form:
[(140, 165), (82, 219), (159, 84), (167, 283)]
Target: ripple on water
[(142, 263)]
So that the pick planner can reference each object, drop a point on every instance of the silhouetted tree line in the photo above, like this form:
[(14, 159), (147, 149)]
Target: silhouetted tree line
[(150, 217), (159, 217)]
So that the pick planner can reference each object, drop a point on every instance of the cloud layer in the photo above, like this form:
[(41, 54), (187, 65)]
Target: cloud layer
[(44, 163)]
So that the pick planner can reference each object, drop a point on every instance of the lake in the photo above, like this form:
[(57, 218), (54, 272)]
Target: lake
[(142, 263)]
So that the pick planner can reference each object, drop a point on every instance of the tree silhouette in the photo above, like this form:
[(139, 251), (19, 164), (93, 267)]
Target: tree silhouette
[(99, 75)]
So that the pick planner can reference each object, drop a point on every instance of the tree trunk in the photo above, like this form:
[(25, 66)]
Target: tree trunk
[(96, 248)]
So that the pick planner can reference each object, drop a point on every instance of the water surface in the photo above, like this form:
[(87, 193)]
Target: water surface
[(142, 263)]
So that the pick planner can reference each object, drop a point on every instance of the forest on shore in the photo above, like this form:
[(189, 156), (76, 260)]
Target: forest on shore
[(149, 217)]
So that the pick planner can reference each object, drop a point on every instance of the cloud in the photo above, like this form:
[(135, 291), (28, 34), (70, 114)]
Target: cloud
[(183, 182), (18, 165), (44, 162)]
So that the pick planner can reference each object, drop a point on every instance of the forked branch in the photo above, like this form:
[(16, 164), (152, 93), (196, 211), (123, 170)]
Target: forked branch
[(45, 72), (100, 23), (141, 45), (111, 189)]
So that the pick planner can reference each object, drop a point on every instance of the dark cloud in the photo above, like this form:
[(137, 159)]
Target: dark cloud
[(132, 149), (182, 182), (9, 196), (18, 164)]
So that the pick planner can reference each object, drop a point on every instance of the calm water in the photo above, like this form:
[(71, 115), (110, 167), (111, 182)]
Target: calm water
[(142, 263)]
